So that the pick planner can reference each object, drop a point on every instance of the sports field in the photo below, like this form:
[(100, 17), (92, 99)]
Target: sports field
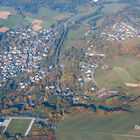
[(18, 125)]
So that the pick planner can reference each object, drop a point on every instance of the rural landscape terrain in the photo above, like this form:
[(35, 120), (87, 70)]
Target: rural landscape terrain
[(69, 70)]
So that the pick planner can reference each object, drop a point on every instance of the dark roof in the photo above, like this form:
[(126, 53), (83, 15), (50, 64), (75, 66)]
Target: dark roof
[(1, 119)]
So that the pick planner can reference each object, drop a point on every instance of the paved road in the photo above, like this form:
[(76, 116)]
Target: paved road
[(93, 79)]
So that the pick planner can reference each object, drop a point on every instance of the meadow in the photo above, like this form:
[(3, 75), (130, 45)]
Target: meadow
[(124, 70), (114, 7), (96, 127)]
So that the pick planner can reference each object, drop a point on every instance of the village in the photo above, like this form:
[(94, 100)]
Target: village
[(120, 32), (48, 78), (26, 51)]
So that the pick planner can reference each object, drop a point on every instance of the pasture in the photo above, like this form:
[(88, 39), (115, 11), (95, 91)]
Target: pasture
[(113, 7), (124, 70), (95, 127)]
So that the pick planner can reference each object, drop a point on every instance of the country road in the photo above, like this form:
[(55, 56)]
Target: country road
[(93, 79)]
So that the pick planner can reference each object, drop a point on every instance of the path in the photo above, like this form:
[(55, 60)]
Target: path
[(93, 79)]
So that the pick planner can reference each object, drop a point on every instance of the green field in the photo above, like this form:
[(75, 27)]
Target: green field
[(18, 125), (125, 69), (48, 16), (113, 7), (95, 127), (6, 8)]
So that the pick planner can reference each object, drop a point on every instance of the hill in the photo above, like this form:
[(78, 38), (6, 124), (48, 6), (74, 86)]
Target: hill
[(34, 5)]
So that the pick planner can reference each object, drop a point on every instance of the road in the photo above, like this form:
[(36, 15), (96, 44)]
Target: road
[(93, 79)]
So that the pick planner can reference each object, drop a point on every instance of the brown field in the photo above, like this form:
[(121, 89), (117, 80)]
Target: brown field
[(4, 14), (60, 17), (37, 25), (78, 43), (3, 29)]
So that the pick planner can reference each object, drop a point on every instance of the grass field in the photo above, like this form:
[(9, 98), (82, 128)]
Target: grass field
[(125, 69), (95, 127), (12, 21), (113, 7), (48, 16), (6, 8), (18, 125)]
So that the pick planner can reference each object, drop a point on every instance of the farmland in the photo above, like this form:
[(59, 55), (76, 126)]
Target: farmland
[(18, 125), (123, 70), (113, 7), (94, 127), (4, 14), (47, 16)]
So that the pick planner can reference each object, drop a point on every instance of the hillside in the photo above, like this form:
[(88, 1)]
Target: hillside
[(34, 5)]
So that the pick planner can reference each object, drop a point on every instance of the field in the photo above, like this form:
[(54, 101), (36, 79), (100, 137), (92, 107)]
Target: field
[(4, 29), (47, 16), (6, 8), (95, 127), (37, 25), (113, 7), (124, 70), (4, 14), (18, 125), (13, 21)]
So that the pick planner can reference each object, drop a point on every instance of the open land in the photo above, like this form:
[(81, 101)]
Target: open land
[(95, 127)]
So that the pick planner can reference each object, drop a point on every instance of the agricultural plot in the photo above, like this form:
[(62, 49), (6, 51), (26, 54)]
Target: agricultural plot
[(9, 9), (124, 70), (47, 16), (113, 7), (94, 127), (4, 14)]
